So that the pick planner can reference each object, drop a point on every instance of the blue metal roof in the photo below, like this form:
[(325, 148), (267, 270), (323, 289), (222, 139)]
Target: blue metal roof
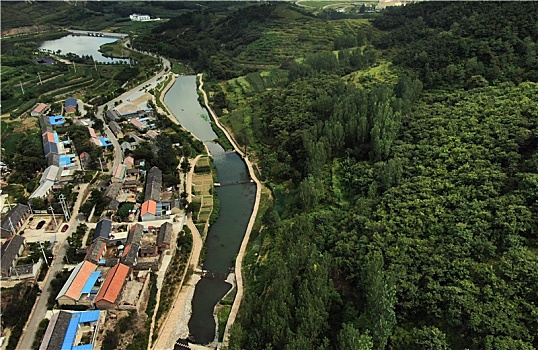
[(56, 139), (71, 102), (56, 120), (105, 141), (89, 316), (64, 160), (71, 332), (90, 282), (83, 347)]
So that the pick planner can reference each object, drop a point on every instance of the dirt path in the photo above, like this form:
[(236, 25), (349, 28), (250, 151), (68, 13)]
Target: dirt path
[(241, 254)]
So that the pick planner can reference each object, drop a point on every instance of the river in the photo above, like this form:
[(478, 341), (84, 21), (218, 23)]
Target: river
[(236, 195)]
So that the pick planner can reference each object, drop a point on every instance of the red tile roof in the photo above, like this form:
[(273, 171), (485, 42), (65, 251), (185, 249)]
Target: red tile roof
[(113, 284), (40, 107), (80, 280), (49, 135), (149, 206), (137, 123)]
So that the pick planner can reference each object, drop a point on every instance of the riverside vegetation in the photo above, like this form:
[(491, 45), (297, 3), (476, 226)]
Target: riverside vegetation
[(404, 169), (402, 154)]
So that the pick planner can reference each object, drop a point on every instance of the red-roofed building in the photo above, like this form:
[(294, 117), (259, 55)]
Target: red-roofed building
[(138, 124), (148, 210), (92, 132), (39, 109), (129, 161), (110, 290), (48, 137), (71, 292)]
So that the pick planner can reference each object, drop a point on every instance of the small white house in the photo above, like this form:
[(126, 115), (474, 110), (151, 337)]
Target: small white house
[(140, 18)]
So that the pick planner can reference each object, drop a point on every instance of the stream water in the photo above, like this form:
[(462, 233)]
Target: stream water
[(236, 195)]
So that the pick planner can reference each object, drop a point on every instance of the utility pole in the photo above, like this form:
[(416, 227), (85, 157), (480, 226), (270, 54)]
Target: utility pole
[(20, 82), (44, 255), (54, 217), (39, 76), (12, 228), (65, 209), (101, 165), (74, 67)]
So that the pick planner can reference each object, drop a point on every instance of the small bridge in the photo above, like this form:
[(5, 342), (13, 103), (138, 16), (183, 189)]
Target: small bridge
[(229, 183), (212, 275), (98, 34)]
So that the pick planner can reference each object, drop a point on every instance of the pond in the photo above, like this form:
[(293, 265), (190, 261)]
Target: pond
[(82, 46)]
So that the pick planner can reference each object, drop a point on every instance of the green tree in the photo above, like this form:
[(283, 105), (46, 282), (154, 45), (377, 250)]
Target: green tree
[(350, 338), (380, 299)]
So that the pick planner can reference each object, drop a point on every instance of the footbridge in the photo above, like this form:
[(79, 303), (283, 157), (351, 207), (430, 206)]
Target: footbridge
[(98, 34)]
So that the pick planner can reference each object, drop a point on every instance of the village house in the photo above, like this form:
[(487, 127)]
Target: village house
[(9, 252), (39, 109), (153, 184), (103, 229), (148, 212), (79, 289), (70, 105), (72, 330), (116, 129), (14, 219), (110, 290), (164, 237), (96, 251)]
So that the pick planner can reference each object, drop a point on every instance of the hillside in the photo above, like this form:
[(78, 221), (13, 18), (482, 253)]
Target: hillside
[(403, 160), (402, 156)]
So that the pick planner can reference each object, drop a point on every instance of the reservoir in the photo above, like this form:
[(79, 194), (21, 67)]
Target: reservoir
[(82, 46), (236, 195)]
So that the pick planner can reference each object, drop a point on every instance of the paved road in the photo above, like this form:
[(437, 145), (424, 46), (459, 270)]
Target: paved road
[(132, 94), (40, 309)]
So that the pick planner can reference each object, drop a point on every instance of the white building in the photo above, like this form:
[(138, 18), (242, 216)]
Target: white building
[(137, 17)]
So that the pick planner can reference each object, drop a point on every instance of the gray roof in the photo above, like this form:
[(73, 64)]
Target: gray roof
[(13, 216), (50, 147), (115, 127), (42, 190), (131, 258), (113, 205), (103, 229), (113, 190), (135, 234), (51, 173), (95, 251), (44, 121), (112, 114), (126, 145), (58, 328), (53, 159), (9, 251), (137, 139), (165, 234), (153, 184)]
